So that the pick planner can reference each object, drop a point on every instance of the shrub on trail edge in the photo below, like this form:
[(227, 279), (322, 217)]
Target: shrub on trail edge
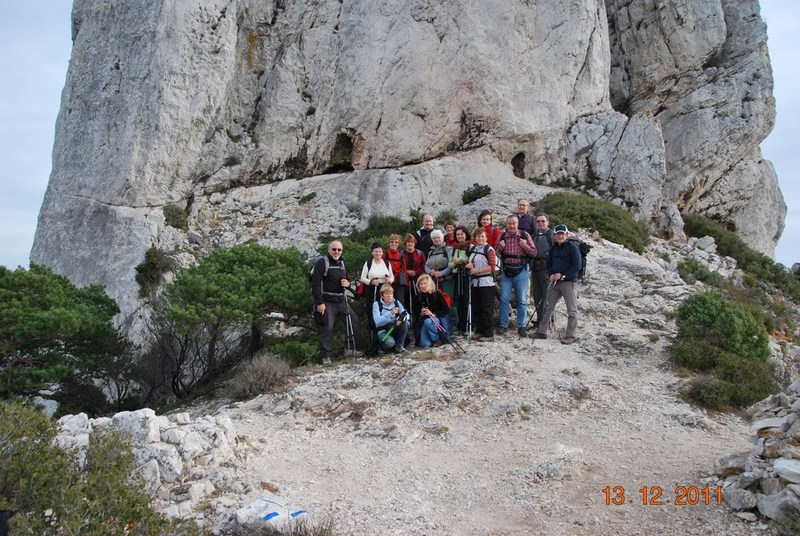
[(50, 492), (729, 345), (612, 222)]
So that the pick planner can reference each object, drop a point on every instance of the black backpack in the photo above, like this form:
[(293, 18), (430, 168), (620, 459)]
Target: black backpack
[(584, 248)]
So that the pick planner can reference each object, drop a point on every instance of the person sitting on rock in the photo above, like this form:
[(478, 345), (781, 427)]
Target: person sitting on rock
[(431, 311), (563, 267), (388, 312)]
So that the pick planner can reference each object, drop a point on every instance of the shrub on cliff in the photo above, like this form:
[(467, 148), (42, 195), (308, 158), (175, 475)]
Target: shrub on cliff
[(612, 222), (748, 259), (729, 344)]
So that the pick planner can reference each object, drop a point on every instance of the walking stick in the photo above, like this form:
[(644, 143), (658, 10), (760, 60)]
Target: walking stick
[(351, 343), (543, 302), (447, 338)]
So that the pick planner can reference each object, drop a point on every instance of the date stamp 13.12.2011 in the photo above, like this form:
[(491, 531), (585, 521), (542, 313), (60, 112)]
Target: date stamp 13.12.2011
[(656, 496)]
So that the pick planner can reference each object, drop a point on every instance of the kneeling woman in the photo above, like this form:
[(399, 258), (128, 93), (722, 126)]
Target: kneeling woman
[(388, 312), (431, 311)]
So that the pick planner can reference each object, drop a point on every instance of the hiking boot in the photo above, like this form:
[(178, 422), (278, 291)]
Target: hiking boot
[(501, 330), (399, 349), (538, 335), (326, 362), (568, 340), (476, 336), (438, 343), (522, 333)]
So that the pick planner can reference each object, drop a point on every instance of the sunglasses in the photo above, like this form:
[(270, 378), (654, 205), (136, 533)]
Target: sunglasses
[(336, 249)]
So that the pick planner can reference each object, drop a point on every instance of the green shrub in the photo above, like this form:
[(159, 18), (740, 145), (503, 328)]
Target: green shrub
[(728, 342), (52, 495), (148, 272), (175, 216), (51, 330), (612, 222), (475, 192), (445, 216), (297, 352), (691, 271), (258, 375), (748, 259)]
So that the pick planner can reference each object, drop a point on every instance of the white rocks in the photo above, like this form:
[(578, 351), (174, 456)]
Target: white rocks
[(788, 469), (770, 473)]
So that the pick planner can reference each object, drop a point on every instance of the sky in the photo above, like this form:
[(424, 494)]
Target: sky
[(35, 45)]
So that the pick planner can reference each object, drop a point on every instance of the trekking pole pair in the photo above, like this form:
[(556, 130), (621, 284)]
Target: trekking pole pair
[(542, 305), (447, 337)]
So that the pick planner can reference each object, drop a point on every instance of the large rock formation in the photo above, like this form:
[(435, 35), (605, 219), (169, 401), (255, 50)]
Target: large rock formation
[(242, 111)]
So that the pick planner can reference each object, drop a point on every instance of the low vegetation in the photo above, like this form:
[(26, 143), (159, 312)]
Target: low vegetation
[(730, 244), (728, 344), (52, 493), (612, 222), (175, 216), (150, 271), (475, 192)]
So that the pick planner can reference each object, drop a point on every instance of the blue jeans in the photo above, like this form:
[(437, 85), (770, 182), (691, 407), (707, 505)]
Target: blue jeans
[(430, 333), (520, 284)]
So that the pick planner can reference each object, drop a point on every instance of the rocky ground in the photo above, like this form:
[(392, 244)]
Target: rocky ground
[(510, 437)]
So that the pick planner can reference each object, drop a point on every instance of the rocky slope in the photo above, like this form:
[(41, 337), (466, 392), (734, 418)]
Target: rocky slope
[(224, 107), (512, 437)]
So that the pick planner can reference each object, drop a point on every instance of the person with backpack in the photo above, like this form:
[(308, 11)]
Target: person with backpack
[(515, 248), (492, 232), (328, 284), (423, 234), (563, 267), (374, 273), (461, 251), (394, 257), (543, 239), (481, 265), (431, 310), (388, 312), (438, 267), (526, 221), (412, 264)]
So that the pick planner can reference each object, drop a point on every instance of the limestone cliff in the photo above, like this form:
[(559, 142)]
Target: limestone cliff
[(269, 119)]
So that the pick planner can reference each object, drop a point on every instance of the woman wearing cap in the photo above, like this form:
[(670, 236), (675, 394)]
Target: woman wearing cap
[(563, 267)]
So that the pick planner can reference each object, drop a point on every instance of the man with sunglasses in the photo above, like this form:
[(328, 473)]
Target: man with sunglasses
[(328, 284), (543, 239)]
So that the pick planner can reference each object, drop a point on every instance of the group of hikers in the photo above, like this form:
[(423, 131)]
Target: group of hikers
[(440, 284)]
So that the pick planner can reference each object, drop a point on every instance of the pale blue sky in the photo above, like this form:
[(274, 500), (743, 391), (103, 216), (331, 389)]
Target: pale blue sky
[(34, 53)]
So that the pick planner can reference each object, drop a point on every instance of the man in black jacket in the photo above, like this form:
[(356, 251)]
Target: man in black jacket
[(543, 239), (563, 265), (328, 284)]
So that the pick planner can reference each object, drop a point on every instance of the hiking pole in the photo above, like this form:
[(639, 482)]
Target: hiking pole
[(447, 338), (469, 306), (351, 343), (539, 309)]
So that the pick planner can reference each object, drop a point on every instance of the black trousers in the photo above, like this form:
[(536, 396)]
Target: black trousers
[(483, 310), (334, 310)]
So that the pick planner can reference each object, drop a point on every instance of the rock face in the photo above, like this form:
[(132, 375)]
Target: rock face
[(225, 106)]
